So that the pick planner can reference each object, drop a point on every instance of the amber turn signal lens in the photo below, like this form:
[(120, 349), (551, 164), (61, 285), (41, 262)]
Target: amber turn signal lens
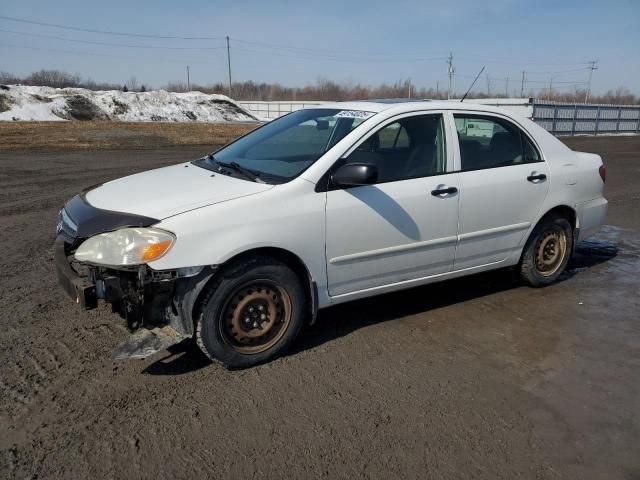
[(155, 250)]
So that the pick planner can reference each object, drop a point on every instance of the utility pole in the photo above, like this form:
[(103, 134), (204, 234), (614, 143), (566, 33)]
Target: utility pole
[(488, 86), (550, 88), (593, 65), (229, 64), (506, 89), (437, 89), (188, 80), (451, 70), (522, 85), (409, 88)]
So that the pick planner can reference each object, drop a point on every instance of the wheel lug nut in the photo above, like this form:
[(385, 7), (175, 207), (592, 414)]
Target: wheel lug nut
[(255, 324), (263, 317), (251, 309), (260, 308)]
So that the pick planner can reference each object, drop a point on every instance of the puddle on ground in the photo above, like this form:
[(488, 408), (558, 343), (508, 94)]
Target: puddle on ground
[(618, 247)]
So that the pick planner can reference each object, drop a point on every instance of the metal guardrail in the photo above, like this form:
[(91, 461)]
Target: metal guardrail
[(576, 119)]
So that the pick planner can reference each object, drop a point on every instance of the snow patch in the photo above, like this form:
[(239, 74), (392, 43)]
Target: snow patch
[(26, 103)]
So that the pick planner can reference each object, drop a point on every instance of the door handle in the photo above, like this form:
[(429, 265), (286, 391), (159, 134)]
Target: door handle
[(444, 191), (540, 176)]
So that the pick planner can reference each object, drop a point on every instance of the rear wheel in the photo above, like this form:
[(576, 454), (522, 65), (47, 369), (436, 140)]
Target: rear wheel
[(251, 313), (547, 251)]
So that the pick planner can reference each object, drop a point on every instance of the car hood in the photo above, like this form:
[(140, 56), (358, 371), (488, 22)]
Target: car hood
[(170, 190)]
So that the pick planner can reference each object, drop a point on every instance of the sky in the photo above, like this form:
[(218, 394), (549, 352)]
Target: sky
[(297, 42)]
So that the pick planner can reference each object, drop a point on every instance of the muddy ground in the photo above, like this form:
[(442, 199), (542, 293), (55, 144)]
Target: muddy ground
[(473, 378)]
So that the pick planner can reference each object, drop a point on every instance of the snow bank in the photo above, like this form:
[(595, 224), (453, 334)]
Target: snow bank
[(26, 103)]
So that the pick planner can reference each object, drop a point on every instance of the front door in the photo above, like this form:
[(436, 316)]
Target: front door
[(503, 183), (403, 227)]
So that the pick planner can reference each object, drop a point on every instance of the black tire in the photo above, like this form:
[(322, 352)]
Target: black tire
[(251, 312), (547, 251)]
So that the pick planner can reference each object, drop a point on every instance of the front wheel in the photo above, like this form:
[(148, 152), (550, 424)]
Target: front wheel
[(251, 313), (547, 251)]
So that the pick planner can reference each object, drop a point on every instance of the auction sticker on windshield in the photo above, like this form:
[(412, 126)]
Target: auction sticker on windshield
[(353, 114)]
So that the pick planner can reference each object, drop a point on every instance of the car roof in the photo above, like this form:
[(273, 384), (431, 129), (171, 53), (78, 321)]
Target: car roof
[(400, 105)]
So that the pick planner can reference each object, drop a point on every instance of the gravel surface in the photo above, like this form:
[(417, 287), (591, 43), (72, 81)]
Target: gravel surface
[(472, 378)]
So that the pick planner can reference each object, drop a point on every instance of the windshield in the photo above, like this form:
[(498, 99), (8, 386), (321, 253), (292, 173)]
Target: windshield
[(285, 147)]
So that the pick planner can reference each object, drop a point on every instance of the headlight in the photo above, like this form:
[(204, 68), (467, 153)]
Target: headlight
[(127, 246)]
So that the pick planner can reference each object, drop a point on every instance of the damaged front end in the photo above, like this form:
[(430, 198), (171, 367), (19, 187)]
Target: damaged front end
[(157, 305)]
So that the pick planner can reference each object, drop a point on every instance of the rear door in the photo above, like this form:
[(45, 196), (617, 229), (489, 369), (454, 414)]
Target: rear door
[(503, 183)]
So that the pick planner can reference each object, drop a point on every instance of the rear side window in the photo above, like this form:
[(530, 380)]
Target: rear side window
[(487, 142), (530, 152)]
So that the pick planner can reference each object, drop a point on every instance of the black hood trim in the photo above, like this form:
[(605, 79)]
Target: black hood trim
[(90, 220)]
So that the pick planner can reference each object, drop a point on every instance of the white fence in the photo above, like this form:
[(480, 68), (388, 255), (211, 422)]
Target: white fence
[(271, 110), (575, 118), (275, 109), (558, 118)]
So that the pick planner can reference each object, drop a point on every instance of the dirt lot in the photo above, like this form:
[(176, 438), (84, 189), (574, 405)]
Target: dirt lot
[(473, 378), (73, 136)]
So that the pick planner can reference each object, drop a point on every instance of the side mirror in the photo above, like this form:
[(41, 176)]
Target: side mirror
[(353, 174)]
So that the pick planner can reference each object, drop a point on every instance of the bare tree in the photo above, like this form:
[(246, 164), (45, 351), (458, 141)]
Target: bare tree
[(133, 84), (53, 78), (7, 78), (322, 89)]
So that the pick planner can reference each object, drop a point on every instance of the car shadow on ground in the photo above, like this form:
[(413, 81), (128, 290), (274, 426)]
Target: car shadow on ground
[(342, 320)]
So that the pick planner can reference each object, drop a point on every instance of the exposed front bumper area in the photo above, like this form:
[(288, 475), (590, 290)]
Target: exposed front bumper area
[(157, 305), (80, 289)]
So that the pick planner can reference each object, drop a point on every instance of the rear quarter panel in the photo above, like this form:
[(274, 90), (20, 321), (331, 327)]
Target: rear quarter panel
[(573, 178)]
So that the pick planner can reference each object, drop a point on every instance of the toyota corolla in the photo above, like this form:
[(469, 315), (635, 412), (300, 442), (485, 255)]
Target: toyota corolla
[(241, 248)]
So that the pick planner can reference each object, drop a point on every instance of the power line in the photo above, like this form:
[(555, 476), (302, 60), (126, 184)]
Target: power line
[(517, 61), (294, 55), (106, 44), (289, 48), (55, 50), (303, 53), (335, 58), (558, 72), (104, 32), (341, 52), (335, 53), (544, 82), (101, 54)]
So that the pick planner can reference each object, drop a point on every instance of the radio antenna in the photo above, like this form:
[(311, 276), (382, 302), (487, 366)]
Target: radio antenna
[(474, 82)]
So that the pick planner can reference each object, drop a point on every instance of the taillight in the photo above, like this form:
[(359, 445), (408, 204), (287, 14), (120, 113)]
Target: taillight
[(603, 173)]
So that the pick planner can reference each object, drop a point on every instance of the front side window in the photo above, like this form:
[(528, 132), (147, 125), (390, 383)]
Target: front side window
[(487, 142), (285, 147), (409, 148)]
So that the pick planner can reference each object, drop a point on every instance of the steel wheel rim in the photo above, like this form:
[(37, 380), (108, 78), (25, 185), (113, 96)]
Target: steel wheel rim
[(550, 251), (256, 315)]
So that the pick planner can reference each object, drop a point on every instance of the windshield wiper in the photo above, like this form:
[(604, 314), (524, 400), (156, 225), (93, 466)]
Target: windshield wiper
[(236, 167)]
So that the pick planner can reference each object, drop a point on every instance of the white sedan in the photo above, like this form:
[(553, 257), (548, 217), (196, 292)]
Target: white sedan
[(239, 249)]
